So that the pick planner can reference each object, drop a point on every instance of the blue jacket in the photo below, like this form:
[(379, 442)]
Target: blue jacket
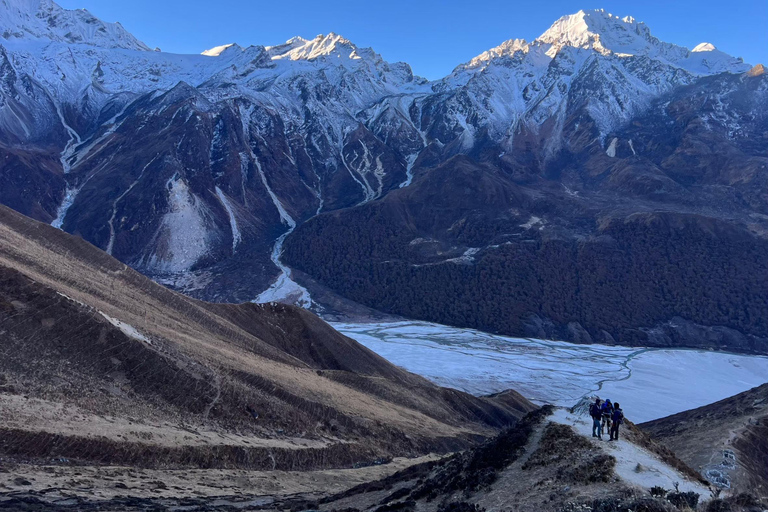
[(618, 416)]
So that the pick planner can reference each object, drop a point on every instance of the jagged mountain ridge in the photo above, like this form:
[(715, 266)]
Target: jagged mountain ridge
[(195, 169), (47, 21)]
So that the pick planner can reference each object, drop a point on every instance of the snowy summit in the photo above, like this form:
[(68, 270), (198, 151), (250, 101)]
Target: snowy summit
[(45, 20)]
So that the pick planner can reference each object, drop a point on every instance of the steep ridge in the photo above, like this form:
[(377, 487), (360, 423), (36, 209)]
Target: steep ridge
[(725, 441), (101, 365), (33, 20), (547, 462), (189, 167)]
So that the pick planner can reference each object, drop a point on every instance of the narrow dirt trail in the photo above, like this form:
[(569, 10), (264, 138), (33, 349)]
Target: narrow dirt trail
[(634, 464)]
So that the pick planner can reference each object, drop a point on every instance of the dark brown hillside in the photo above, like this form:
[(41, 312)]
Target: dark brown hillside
[(102, 365), (727, 441), (545, 264)]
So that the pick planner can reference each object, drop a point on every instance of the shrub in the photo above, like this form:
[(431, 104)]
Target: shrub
[(718, 505), (684, 499), (460, 506)]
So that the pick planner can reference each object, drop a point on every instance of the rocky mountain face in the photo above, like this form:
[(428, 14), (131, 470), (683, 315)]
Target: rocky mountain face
[(595, 184), (656, 240)]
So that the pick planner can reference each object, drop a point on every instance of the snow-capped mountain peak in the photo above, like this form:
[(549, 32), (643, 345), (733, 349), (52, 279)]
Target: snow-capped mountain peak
[(46, 20), (299, 48), (507, 48), (601, 31), (704, 47), (217, 50), (611, 36)]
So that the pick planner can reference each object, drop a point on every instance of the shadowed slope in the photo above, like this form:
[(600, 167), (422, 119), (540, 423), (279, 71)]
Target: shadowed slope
[(727, 440), (102, 364)]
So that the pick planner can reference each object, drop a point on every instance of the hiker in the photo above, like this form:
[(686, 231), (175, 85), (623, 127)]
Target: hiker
[(596, 412), (618, 419), (607, 411)]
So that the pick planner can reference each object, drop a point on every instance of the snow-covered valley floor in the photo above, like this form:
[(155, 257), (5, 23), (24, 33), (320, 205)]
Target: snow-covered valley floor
[(649, 383)]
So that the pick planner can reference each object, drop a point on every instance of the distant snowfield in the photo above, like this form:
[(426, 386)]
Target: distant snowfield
[(649, 383)]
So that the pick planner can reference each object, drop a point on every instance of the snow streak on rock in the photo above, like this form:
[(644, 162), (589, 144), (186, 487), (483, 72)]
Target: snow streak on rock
[(365, 164), (236, 236), (409, 169), (80, 155), (127, 329), (284, 289), (66, 154), (74, 140), (367, 192), (111, 221), (66, 203)]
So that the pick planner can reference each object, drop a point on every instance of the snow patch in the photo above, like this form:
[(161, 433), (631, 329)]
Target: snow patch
[(284, 289), (467, 258), (611, 151), (127, 329), (74, 140), (533, 221), (409, 169)]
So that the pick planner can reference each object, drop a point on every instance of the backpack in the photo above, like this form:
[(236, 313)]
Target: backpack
[(594, 410), (618, 416)]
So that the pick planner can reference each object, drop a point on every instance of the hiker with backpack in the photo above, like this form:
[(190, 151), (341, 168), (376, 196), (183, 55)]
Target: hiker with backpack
[(617, 418), (596, 412), (607, 413)]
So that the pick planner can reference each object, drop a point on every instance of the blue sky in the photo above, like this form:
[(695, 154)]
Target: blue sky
[(432, 36)]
